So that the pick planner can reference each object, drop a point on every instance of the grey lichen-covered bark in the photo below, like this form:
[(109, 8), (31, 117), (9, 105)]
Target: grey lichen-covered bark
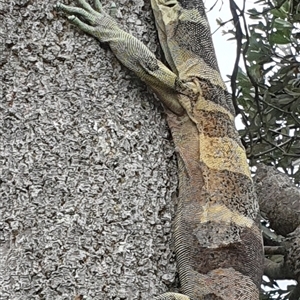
[(279, 201), (87, 165)]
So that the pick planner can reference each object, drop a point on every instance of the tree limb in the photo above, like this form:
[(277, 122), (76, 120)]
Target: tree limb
[(278, 198), (277, 270), (272, 250), (295, 294)]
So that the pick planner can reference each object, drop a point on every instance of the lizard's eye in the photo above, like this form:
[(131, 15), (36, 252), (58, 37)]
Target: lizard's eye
[(170, 3)]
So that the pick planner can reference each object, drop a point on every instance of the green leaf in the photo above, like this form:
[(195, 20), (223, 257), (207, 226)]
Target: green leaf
[(278, 38), (278, 13), (280, 23), (296, 17)]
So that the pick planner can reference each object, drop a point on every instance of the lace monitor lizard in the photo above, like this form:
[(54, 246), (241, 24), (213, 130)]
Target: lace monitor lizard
[(218, 241)]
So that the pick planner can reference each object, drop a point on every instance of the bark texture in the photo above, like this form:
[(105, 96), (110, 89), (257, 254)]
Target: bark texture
[(87, 167), (278, 198), (279, 201)]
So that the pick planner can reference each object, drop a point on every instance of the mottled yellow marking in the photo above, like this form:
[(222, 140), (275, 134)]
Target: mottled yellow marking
[(220, 213), (223, 154), (208, 105)]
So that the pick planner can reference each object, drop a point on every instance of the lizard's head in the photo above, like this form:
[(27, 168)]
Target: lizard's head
[(186, 4), (168, 12), (184, 36)]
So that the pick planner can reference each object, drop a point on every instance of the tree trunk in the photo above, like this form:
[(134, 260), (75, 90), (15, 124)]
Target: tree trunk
[(88, 166)]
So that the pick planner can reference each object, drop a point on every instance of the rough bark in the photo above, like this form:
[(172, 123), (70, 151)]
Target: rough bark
[(279, 201), (278, 198), (87, 164)]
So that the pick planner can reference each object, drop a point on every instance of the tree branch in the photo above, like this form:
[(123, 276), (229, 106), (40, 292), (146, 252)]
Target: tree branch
[(277, 270), (278, 198), (239, 36), (295, 294), (274, 250)]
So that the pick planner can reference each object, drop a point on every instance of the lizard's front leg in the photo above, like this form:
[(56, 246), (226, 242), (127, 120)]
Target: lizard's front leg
[(131, 52)]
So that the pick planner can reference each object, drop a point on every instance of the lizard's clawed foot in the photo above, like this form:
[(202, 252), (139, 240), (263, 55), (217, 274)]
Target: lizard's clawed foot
[(83, 4), (92, 21)]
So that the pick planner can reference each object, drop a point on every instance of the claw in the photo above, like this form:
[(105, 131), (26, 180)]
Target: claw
[(98, 5), (113, 10)]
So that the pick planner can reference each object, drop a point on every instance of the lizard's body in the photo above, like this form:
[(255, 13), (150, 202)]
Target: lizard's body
[(217, 240)]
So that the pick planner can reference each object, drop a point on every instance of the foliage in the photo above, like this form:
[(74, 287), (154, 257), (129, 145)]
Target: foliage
[(266, 90)]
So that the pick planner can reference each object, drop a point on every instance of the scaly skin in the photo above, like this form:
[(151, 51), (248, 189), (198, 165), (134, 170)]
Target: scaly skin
[(217, 238)]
